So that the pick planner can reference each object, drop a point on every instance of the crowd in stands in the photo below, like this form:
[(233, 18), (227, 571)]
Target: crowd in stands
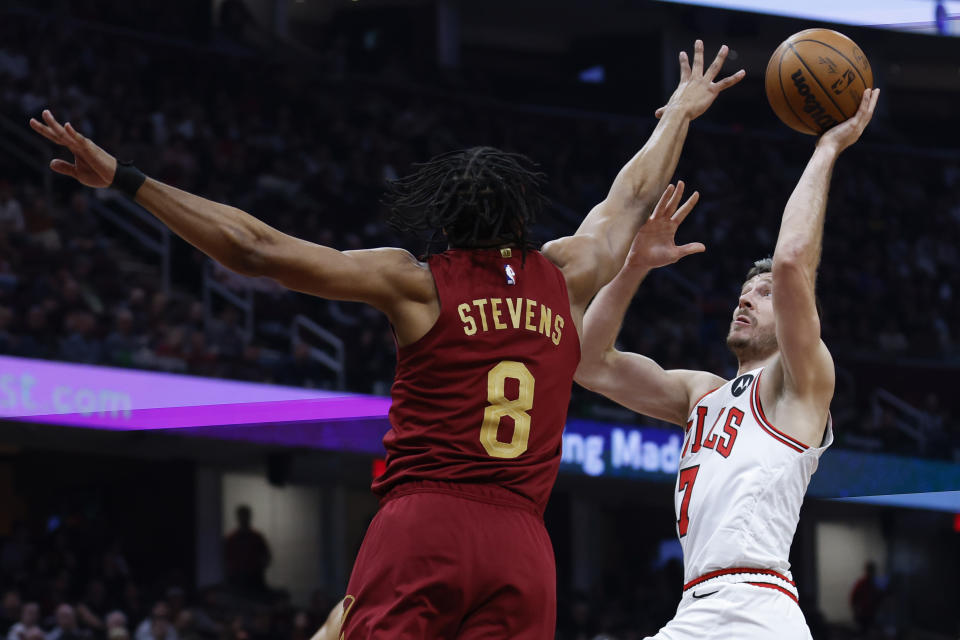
[(71, 580), (70, 583), (65, 584), (309, 150)]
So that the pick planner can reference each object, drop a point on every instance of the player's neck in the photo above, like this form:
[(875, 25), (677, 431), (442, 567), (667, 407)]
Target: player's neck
[(749, 362)]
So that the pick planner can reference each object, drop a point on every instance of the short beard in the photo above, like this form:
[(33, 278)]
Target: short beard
[(752, 350)]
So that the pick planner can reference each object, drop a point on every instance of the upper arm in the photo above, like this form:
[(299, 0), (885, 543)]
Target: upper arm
[(587, 264), (807, 364), (379, 277), (592, 256), (640, 384)]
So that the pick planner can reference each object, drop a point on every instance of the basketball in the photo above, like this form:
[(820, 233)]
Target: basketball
[(815, 80)]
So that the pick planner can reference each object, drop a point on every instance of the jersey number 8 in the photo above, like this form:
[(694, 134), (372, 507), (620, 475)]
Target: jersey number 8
[(499, 407)]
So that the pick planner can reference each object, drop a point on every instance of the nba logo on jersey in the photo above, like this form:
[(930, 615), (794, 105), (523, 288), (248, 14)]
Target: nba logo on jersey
[(511, 274)]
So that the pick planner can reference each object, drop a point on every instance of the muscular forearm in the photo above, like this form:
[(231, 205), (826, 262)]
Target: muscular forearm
[(801, 230), (225, 233), (641, 181), (601, 324), (646, 175)]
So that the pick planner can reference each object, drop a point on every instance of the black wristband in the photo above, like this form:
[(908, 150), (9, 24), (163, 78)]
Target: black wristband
[(128, 179)]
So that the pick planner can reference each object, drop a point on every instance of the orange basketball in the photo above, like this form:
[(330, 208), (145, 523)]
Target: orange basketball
[(815, 80)]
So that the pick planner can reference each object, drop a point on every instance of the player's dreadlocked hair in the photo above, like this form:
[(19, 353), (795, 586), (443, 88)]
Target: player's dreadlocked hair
[(477, 197)]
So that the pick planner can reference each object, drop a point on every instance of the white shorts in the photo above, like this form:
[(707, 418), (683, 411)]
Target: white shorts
[(736, 611)]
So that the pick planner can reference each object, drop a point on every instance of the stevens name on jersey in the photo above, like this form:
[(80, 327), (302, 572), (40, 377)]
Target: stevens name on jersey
[(494, 314)]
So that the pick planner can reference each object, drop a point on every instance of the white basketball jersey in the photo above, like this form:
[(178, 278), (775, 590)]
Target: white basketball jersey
[(740, 484)]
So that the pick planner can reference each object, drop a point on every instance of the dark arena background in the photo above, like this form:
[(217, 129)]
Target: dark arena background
[(147, 393)]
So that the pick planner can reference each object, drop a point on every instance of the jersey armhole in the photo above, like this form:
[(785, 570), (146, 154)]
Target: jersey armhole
[(566, 294), (757, 408), (697, 401), (419, 342)]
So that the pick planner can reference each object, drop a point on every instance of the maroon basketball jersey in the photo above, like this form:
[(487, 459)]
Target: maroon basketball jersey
[(482, 397)]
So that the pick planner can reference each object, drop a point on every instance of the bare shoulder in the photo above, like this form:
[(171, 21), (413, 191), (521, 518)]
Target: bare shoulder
[(699, 384), (565, 251), (410, 277), (409, 298), (575, 256)]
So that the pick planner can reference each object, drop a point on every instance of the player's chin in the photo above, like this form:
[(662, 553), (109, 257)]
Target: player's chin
[(736, 339)]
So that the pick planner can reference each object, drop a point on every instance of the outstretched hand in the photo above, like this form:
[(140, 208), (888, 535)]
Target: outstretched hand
[(697, 90), (92, 166), (847, 132), (654, 245)]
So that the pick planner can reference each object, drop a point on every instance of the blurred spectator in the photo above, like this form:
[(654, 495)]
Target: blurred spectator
[(37, 340), (11, 213), (92, 610), (132, 604), (865, 598), (208, 612), (246, 554), (185, 626), (80, 226), (176, 599), (121, 343), (237, 630), (157, 626), (9, 610), (80, 343), (116, 620), (302, 370), (66, 625), (41, 226), (225, 335), (303, 628), (29, 619)]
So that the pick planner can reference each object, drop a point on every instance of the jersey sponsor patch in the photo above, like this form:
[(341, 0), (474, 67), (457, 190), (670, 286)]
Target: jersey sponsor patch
[(741, 384)]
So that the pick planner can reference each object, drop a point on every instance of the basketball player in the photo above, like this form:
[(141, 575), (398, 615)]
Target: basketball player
[(752, 443), (487, 336)]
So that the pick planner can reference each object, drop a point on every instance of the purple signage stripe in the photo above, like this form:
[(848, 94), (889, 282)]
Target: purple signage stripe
[(315, 410), (357, 436), (123, 399)]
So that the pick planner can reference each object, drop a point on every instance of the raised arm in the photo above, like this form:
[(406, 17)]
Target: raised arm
[(594, 255), (631, 379), (806, 363), (384, 278)]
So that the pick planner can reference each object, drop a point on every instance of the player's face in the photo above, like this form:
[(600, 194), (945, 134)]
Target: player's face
[(753, 328)]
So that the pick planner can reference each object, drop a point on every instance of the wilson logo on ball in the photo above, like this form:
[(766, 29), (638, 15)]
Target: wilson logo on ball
[(811, 105)]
